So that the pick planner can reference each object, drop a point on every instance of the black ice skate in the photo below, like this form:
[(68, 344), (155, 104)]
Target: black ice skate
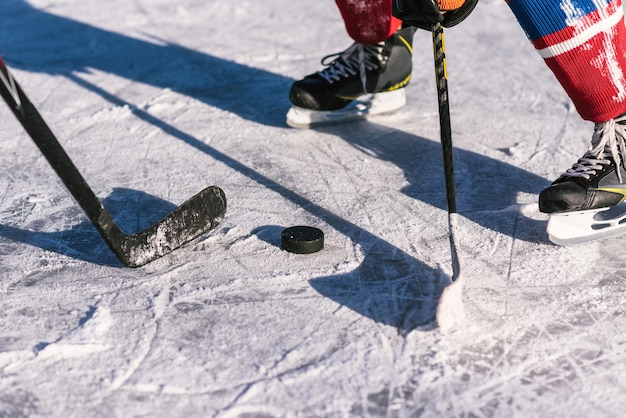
[(585, 202), (361, 81)]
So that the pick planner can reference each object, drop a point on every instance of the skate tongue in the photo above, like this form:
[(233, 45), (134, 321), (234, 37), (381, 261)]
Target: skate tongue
[(358, 58), (608, 144)]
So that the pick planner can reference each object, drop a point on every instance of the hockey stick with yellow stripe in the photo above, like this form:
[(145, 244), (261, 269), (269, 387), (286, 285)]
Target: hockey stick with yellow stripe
[(450, 307)]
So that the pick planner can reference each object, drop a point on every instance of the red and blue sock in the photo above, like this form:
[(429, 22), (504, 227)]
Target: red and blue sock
[(583, 42)]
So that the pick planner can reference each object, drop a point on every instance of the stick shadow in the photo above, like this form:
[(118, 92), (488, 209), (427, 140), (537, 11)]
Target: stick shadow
[(390, 286), (132, 210), (37, 41)]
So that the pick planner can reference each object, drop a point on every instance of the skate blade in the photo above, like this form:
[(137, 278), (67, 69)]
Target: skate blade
[(360, 108), (574, 228)]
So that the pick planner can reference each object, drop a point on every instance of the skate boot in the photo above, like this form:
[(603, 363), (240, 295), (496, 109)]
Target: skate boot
[(363, 80), (584, 203)]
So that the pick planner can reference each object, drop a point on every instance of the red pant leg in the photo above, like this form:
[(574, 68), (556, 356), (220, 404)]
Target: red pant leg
[(368, 21)]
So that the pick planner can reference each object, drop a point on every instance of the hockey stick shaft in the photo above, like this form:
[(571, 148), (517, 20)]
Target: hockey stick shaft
[(446, 139), (441, 78), (199, 214), (450, 310)]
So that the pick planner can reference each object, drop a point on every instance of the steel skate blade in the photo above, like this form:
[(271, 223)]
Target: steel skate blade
[(360, 108), (574, 228)]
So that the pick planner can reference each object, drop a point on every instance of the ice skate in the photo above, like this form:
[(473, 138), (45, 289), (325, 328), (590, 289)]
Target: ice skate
[(361, 81), (586, 202)]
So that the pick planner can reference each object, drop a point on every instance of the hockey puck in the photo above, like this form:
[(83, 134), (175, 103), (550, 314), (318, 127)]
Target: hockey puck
[(302, 239)]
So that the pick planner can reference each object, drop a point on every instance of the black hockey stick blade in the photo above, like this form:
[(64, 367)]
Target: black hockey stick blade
[(199, 214), (196, 216), (450, 311)]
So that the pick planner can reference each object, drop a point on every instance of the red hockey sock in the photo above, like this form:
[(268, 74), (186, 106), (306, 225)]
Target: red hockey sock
[(585, 47), (368, 21)]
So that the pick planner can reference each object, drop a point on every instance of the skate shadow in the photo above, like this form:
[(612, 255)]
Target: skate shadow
[(485, 187), (132, 210), (34, 40)]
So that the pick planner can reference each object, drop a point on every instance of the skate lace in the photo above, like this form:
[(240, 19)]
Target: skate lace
[(608, 142), (357, 59)]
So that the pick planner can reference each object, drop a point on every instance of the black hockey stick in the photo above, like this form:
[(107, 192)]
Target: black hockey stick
[(194, 217), (450, 308)]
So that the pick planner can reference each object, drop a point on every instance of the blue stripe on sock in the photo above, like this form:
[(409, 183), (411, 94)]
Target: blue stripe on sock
[(542, 17)]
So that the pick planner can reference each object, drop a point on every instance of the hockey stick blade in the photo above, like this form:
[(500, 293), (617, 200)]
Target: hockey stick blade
[(450, 310), (197, 215)]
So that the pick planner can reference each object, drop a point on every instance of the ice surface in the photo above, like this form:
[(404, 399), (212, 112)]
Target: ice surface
[(155, 100)]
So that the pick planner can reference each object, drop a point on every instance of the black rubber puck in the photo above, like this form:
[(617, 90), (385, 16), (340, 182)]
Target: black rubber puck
[(302, 239)]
